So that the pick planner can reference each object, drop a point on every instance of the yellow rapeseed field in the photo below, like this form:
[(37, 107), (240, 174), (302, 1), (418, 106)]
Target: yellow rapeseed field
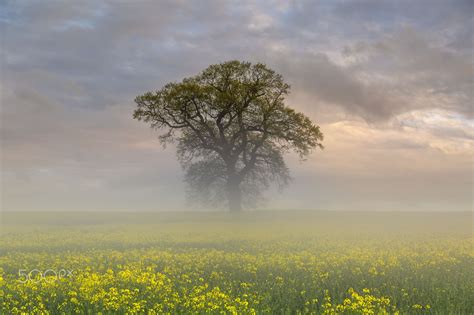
[(252, 263)]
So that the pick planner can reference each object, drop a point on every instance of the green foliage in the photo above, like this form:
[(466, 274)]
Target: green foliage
[(231, 125)]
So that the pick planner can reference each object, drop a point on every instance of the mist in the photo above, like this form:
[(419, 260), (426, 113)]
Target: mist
[(251, 157)]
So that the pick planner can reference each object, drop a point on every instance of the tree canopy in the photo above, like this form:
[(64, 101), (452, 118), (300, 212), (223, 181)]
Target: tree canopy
[(232, 128)]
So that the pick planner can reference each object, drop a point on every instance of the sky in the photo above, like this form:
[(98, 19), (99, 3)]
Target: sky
[(390, 83)]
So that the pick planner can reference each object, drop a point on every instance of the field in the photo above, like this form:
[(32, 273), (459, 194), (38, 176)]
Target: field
[(264, 262)]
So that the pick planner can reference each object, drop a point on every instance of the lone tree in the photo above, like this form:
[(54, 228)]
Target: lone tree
[(231, 128)]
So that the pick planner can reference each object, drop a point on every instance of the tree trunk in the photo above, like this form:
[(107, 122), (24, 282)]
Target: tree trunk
[(234, 194)]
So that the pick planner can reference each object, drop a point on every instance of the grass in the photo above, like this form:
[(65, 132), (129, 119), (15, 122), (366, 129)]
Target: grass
[(255, 262)]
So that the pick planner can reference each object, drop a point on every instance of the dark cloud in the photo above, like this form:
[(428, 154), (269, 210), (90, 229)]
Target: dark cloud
[(316, 75), (413, 67)]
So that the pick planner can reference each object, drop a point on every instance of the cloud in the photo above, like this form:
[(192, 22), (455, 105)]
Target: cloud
[(316, 75), (390, 84), (417, 67), (394, 168)]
